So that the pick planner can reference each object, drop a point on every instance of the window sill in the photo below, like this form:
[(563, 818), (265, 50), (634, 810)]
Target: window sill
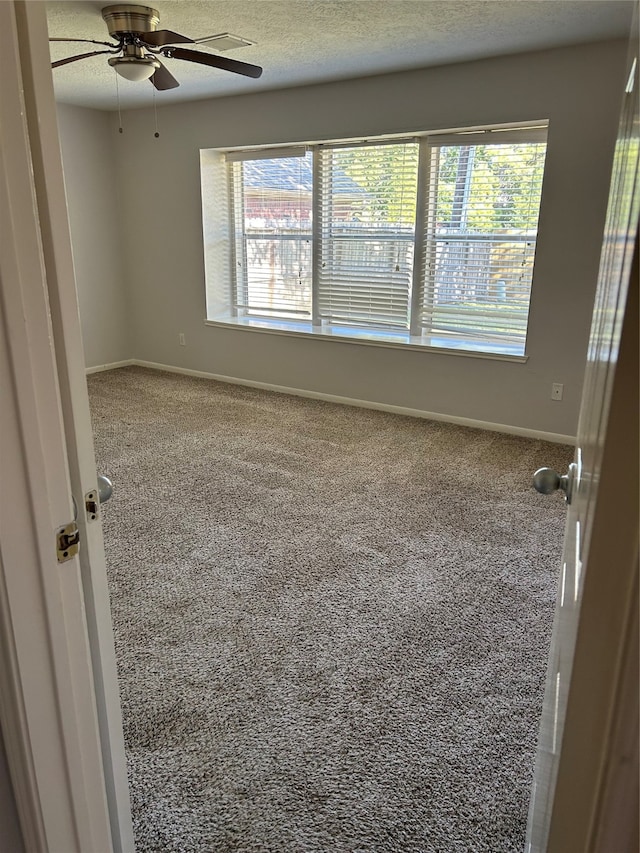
[(362, 337)]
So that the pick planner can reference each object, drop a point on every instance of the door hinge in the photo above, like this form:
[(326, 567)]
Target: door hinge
[(67, 541)]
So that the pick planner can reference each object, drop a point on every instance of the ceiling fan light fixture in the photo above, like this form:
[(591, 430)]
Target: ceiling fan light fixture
[(134, 68), (134, 30)]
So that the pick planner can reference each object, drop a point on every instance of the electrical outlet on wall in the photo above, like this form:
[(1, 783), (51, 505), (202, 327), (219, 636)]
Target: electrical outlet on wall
[(181, 339), (556, 391)]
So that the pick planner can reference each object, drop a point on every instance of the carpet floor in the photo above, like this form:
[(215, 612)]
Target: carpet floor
[(331, 623)]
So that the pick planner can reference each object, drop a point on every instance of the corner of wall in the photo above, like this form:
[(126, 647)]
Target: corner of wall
[(90, 168)]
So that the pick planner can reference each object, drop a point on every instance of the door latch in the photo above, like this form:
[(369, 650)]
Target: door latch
[(92, 505), (67, 542), (95, 497)]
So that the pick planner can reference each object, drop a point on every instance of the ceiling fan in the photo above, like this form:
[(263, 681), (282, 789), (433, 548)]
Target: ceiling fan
[(138, 43)]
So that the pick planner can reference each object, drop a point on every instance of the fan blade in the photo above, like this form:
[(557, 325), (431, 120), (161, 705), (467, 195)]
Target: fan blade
[(114, 45), (76, 58), (158, 38), (214, 61), (164, 79)]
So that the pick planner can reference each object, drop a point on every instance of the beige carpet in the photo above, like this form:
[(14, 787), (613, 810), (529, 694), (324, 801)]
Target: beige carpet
[(331, 623)]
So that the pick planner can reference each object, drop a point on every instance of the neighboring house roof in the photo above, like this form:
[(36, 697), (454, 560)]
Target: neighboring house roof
[(291, 174)]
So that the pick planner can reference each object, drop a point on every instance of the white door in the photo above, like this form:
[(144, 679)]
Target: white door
[(596, 591), (25, 29)]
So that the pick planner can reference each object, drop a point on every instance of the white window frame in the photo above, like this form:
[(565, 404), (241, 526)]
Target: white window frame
[(416, 338), (240, 307)]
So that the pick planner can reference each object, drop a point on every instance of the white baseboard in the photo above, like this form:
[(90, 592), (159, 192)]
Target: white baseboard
[(556, 438), (99, 368)]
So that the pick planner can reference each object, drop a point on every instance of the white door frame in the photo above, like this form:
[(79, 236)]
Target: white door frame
[(48, 707), (588, 690), (41, 117)]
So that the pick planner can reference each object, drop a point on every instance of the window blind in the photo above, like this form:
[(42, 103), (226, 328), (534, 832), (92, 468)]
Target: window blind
[(271, 210), (479, 241), (367, 204), (427, 240)]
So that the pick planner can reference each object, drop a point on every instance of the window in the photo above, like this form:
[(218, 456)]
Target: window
[(421, 241), (367, 201), (479, 243), (271, 204)]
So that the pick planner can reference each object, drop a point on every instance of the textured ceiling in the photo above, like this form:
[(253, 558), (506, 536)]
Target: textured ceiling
[(308, 41)]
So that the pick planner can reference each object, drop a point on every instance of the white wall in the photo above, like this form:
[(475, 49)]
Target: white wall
[(88, 156), (578, 89)]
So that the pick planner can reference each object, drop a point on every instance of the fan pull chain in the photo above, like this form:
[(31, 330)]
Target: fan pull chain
[(155, 113), (120, 130)]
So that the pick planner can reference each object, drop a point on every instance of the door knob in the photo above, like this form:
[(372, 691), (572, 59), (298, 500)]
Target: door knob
[(546, 481), (105, 488)]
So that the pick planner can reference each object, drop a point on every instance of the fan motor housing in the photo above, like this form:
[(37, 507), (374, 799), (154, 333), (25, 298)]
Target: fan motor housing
[(124, 18)]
